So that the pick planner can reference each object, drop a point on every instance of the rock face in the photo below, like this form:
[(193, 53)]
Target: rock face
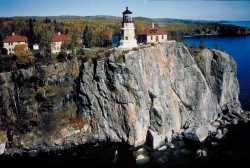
[(3, 140), (153, 91), (163, 89)]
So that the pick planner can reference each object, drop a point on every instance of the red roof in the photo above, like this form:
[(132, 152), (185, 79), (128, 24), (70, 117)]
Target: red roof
[(15, 38), (60, 38), (153, 31)]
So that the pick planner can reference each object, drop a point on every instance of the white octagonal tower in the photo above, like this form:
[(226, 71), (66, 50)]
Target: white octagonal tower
[(128, 39)]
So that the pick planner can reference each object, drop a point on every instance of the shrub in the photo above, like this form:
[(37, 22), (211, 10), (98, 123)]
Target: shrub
[(22, 53), (77, 122), (152, 44), (120, 59), (3, 136), (135, 49)]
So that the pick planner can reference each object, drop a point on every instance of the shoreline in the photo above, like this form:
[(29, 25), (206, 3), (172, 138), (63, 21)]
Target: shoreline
[(215, 35), (185, 151)]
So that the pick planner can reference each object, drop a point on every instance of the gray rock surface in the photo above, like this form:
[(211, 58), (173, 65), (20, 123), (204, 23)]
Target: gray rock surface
[(163, 88), (196, 134), (2, 147)]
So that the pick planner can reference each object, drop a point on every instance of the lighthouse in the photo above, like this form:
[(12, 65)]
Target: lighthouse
[(128, 39)]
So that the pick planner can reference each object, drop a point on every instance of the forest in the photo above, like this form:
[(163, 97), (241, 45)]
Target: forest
[(98, 31), (95, 32)]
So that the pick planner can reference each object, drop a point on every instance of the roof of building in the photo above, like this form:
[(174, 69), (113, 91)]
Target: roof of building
[(127, 11), (154, 30), (60, 38), (15, 38)]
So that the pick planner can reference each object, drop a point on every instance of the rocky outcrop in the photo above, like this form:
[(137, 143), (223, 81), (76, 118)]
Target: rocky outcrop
[(157, 90), (139, 96), (37, 102)]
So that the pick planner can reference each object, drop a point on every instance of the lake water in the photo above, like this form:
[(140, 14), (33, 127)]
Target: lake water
[(240, 23), (239, 48)]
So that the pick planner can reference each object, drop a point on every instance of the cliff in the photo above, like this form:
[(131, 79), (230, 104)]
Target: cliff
[(138, 96)]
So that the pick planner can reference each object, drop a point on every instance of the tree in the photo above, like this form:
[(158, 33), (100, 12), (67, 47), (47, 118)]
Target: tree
[(74, 42), (87, 37), (31, 33), (140, 27), (102, 37), (47, 20), (107, 36), (23, 53), (4, 51), (1, 44), (44, 32)]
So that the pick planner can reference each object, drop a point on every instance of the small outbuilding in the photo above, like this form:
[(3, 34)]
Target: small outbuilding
[(35, 47)]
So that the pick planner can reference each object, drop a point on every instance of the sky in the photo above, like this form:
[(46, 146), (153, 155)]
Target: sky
[(179, 9)]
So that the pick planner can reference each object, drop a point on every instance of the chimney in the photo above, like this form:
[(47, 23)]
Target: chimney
[(13, 34), (153, 25)]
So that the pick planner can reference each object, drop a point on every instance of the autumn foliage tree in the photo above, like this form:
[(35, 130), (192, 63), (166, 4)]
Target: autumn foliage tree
[(103, 37), (22, 53)]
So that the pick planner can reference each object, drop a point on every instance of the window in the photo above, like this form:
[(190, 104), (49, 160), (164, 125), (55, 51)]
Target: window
[(162, 37), (157, 38), (126, 38), (151, 37)]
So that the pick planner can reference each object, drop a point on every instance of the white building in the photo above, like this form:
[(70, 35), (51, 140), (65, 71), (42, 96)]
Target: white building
[(10, 42), (152, 35), (57, 40), (35, 47), (128, 39)]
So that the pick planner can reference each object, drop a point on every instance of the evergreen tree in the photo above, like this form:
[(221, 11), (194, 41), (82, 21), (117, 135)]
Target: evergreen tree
[(1, 41), (31, 33), (87, 37)]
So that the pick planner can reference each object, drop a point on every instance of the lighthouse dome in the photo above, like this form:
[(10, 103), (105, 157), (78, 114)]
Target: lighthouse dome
[(127, 11)]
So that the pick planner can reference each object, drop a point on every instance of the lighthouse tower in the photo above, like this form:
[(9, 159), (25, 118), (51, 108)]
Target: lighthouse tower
[(128, 39)]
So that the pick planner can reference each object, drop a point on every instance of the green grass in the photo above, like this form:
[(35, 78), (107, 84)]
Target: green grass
[(95, 53)]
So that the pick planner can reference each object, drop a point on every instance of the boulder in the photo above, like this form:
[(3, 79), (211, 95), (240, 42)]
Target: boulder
[(201, 153), (219, 134), (141, 156), (2, 148), (155, 140), (197, 134)]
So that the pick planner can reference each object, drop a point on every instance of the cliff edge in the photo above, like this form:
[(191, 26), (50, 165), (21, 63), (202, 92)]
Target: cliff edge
[(144, 95)]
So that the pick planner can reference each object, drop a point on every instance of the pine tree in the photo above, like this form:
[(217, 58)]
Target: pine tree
[(31, 33), (87, 37)]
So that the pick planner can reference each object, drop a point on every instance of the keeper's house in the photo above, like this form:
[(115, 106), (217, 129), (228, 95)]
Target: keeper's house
[(10, 42), (57, 41), (152, 35)]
